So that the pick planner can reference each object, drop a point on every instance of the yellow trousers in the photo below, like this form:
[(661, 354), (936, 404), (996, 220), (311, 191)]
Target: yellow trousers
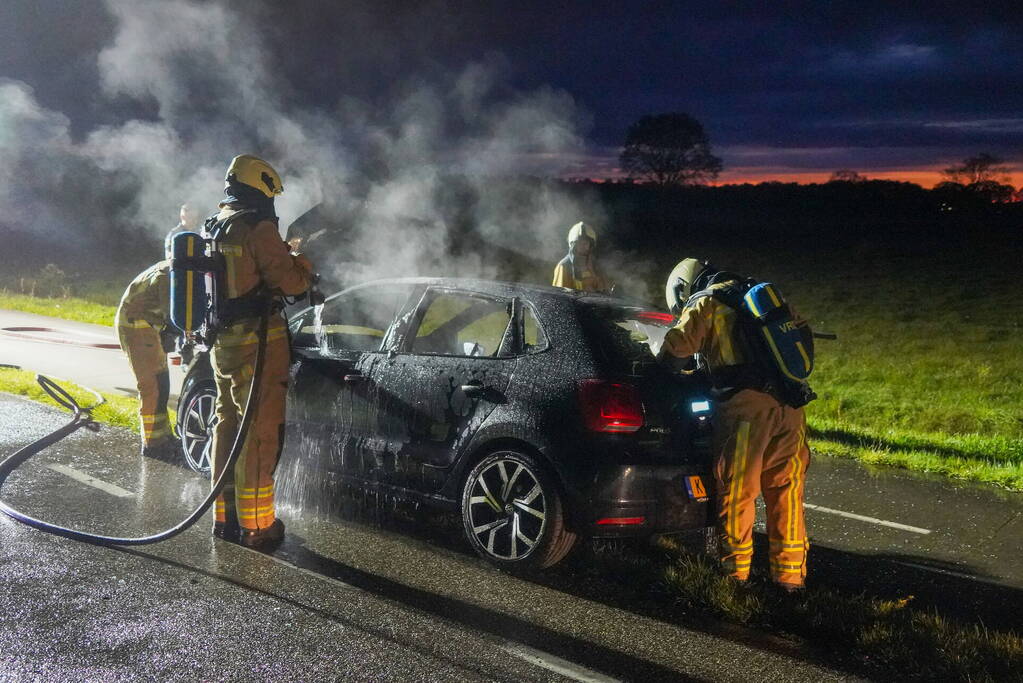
[(141, 343), (249, 494), (761, 450)]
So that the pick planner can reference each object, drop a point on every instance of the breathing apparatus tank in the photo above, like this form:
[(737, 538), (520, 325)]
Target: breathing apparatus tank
[(196, 272)]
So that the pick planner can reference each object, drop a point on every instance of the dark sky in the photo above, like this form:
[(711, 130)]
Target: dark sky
[(786, 90)]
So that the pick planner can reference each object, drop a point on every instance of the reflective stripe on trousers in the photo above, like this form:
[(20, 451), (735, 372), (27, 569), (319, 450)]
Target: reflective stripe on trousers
[(761, 447), (249, 495)]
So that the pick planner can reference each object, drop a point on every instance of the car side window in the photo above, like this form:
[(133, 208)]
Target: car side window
[(534, 340), (456, 324), (352, 321)]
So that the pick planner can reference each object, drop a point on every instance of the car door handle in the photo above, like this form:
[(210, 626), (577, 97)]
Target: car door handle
[(473, 389), (355, 377)]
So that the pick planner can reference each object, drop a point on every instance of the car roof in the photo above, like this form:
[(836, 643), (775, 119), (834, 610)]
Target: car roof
[(495, 287), (503, 288)]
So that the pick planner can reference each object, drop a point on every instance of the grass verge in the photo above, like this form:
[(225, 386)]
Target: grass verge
[(890, 636), (118, 411), (990, 459), (69, 308)]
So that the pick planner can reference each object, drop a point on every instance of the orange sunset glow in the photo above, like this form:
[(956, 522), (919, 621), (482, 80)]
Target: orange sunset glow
[(926, 177)]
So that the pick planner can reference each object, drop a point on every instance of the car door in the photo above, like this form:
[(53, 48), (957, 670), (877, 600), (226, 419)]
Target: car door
[(331, 405), (451, 366)]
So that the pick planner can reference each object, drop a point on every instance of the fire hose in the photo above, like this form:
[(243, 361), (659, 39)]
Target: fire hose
[(81, 417)]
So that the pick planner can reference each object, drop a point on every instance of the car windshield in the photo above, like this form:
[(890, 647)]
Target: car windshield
[(625, 335)]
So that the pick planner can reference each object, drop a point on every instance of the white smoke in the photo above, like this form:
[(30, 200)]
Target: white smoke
[(199, 68)]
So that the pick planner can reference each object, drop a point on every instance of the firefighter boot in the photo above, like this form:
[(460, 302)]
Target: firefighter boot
[(267, 539), (228, 531), (163, 449)]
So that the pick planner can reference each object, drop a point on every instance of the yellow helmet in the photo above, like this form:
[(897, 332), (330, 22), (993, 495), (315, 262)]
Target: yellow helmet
[(683, 282), (581, 229), (256, 173)]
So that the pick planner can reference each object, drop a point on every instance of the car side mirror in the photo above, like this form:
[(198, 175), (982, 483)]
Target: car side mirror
[(472, 349)]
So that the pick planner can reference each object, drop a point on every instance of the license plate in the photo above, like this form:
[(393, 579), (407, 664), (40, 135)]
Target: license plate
[(696, 490)]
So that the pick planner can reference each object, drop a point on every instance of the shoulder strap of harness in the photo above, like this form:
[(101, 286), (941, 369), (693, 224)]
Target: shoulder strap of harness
[(215, 229), (730, 295)]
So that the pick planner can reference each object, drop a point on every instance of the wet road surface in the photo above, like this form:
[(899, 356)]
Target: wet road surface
[(342, 599), (952, 528), (78, 352)]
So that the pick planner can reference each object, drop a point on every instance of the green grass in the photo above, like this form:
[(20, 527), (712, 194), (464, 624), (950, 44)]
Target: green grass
[(53, 292), (118, 411), (922, 377), (889, 635), (69, 308)]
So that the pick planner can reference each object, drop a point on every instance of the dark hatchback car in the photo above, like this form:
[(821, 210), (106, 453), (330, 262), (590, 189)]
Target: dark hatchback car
[(539, 414)]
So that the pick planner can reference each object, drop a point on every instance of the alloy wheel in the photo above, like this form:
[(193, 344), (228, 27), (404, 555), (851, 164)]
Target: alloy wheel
[(197, 430), (507, 509)]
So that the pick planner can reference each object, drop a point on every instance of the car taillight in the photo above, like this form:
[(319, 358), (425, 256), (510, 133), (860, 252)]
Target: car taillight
[(657, 317), (621, 521), (610, 407)]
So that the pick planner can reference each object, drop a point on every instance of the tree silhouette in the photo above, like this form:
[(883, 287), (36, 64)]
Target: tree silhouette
[(983, 168), (983, 176), (669, 149), (846, 175)]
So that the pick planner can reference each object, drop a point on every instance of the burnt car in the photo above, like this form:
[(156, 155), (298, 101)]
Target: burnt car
[(539, 414)]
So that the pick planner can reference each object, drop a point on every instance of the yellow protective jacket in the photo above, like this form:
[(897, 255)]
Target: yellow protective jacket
[(589, 280), (254, 253), (708, 328), (146, 301)]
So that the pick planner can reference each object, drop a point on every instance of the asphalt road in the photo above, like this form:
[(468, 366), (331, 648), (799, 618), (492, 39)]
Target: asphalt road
[(343, 599), (80, 352)]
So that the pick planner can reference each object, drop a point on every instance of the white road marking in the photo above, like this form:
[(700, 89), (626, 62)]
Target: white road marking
[(555, 664), (90, 480), (872, 520), (939, 570), (308, 572)]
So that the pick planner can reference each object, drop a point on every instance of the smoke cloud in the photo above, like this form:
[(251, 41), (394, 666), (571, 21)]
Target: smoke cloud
[(437, 165)]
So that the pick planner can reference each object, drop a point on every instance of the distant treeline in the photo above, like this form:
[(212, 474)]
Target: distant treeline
[(639, 219), (836, 213)]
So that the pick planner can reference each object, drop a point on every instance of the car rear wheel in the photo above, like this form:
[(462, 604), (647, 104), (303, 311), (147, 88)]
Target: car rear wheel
[(195, 425), (513, 512)]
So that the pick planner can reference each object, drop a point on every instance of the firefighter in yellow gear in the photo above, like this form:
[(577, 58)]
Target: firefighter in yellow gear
[(578, 270), (759, 442), (259, 268), (141, 317)]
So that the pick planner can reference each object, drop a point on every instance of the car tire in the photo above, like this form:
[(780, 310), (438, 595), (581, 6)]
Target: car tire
[(513, 512), (196, 420)]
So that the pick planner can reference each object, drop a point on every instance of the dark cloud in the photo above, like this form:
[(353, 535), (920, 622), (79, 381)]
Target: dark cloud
[(934, 79)]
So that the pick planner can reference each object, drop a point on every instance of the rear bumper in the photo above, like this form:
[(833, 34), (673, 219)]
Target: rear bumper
[(640, 500)]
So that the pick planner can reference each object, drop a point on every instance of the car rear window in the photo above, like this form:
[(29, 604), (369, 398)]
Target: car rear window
[(625, 335)]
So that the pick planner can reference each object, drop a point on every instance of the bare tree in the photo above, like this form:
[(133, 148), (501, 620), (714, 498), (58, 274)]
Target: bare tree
[(846, 175), (983, 168), (669, 149)]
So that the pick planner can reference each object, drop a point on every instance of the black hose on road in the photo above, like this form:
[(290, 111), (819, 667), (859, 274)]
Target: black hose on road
[(81, 418)]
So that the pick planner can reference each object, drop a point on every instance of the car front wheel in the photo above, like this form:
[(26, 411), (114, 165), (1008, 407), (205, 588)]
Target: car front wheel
[(195, 425), (513, 512)]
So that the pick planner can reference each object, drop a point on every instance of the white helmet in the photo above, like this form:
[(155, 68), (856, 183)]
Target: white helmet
[(682, 282), (581, 229)]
